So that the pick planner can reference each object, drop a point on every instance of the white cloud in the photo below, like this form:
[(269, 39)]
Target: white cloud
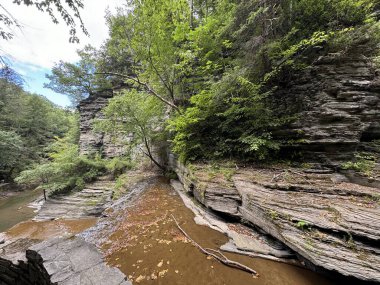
[(42, 43)]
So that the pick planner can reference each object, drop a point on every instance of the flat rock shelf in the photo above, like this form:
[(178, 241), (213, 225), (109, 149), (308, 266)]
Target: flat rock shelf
[(333, 225)]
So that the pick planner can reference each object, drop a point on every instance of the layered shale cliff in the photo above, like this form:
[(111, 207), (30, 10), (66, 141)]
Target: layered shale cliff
[(326, 213), (337, 106), (330, 223), (91, 141)]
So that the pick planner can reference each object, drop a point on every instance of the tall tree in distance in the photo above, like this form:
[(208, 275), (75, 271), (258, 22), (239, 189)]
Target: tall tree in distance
[(136, 113)]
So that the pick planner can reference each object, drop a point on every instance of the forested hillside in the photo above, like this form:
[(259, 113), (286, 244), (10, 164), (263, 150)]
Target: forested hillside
[(29, 123)]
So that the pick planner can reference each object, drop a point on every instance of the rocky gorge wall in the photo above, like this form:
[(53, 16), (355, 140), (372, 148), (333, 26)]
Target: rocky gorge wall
[(330, 223), (337, 104), (329, 218), (91, 141)]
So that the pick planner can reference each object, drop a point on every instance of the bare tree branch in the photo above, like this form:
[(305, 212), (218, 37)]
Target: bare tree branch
[(212, 252)]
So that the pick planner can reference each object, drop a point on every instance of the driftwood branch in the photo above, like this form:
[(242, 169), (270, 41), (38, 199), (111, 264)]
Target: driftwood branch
[(217, 254)]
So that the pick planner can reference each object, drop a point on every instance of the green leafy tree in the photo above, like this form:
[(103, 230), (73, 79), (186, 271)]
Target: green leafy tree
[(77, 80), (64, 169), (138, 114), (11, 146), (152, 32), (34, 120)]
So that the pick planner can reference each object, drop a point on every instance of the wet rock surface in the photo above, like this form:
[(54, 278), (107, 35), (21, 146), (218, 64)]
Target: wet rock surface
[(71, 261), (332, 224), (91, 201), (60, 261)]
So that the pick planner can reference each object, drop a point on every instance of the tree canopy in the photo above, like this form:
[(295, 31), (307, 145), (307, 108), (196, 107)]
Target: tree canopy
[(28, 124), (216, 63)]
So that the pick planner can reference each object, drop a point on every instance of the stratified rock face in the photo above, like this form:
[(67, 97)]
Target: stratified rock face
[(90, 202), (337, 101), (61, 261), (331, 223), (90, 141)]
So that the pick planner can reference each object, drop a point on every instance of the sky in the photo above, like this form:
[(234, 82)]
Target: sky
[(40, 43)]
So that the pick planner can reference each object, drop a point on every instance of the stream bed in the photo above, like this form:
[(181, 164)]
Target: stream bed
[(138, 235), (147, 246)]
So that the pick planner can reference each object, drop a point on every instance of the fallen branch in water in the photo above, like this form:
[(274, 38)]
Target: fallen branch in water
[(212, 252)]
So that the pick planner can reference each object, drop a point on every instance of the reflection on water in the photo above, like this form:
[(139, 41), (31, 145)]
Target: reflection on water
[(15, 209)]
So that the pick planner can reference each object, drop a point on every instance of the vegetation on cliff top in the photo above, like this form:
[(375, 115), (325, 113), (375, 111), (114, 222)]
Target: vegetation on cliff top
[(214, 63), (198, 74)]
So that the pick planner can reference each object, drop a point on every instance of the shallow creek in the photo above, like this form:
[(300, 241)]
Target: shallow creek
[(16, 208), (147, 246)]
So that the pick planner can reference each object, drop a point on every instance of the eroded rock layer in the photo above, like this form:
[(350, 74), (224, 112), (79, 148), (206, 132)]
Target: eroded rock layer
[(337, 104), (331, 223), (91, 141)]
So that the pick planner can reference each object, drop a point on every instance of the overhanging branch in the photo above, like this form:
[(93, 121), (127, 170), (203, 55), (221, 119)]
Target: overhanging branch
[(146, 87)]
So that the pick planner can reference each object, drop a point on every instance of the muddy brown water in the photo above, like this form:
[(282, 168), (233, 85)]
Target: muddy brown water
[(15, 215), (42, 230), (148, 247), (15, 208)]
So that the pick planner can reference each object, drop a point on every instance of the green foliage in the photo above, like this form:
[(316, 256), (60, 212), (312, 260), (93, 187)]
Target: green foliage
[(11, 146), (136, 114), (77, 80), (152, 31), (218, 64), (229, 120), (303, 225), (28, 124), (364, 163), (273, 214), (64, 171), (239, 64), (118, 165)]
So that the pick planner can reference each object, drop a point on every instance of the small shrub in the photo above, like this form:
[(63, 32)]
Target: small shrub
[(116, 166), (303, 225), (273, 215), (364, 163)]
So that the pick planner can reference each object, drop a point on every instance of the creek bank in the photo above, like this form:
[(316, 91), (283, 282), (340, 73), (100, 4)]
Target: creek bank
[(91, 201), (330, 223), (61, 258), (138, 236)]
